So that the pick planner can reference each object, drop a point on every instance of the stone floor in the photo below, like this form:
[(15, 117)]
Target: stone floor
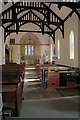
[(49, 103), (33, 88)]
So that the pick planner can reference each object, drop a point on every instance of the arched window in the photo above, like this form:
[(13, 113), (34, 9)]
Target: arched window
[(58, 46), (25, 49), (51, 52), (29, 49), (71, 39), (32, 49)]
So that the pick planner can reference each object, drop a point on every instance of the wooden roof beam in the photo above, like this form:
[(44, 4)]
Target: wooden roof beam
[(72, 5)]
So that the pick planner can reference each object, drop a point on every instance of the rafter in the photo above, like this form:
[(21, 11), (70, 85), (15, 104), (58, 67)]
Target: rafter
[(30, 16), (49, 15), (69, 15), (72, 5), (49, 5), (5, 3), (50, 18)]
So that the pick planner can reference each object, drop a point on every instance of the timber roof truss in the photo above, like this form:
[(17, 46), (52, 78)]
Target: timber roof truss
[(11, 16)]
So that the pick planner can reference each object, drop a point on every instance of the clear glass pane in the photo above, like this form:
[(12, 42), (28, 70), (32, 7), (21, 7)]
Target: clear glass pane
[(58, 49), (71, 45)]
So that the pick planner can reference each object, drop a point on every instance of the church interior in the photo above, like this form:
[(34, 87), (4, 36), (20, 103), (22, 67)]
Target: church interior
[(39, 59)]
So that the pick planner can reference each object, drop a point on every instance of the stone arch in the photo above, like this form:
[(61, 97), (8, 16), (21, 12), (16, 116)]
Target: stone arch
[(30, 38)]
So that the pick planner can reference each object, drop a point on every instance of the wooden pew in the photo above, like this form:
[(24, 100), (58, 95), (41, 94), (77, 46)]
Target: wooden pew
[(43, 71), (12, 78), (61, 79), (12, 98), (40, 67)]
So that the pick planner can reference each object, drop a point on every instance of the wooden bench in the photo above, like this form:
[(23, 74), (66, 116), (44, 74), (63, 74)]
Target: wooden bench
[(43, 71), (12, 86), (61, 79)]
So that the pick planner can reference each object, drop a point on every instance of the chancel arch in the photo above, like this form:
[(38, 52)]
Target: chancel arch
[(30, 49)]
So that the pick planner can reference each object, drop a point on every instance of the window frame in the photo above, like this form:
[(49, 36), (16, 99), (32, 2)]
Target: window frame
[(30, 50), (71, 48), (58, 49)]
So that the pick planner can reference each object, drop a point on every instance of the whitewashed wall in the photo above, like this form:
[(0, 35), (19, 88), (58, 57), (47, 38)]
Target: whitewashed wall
[(70, 24), (79, 43), (1, 38), (43, 39), (0, 45)]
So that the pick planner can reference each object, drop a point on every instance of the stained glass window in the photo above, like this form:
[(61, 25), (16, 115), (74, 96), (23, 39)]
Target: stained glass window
[(71, 45), (32, 50), (25, 49), (29, 49), (58, 49)]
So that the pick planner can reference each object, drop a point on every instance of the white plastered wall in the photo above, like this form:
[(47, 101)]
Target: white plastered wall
[(2, 43), (1, 38), (70, 25), (78, 43), (16, 48), (43, 39), (0, 46)]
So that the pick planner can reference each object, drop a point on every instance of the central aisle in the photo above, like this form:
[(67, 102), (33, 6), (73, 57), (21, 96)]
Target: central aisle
[(33, 89), (45, 103)]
